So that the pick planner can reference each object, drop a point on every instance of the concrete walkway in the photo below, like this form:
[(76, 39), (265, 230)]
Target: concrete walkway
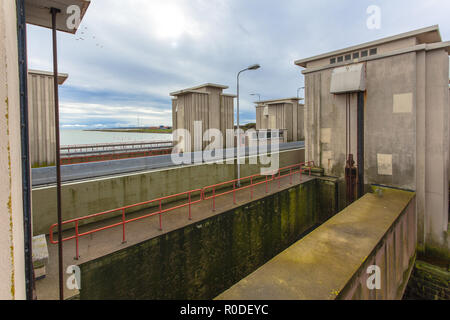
[(108, 241)]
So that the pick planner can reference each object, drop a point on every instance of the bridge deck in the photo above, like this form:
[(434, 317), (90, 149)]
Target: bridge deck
[(108, 241), (322, 264)]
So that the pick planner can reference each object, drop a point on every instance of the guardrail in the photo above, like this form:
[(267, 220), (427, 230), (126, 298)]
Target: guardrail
[(189, 195), (116, 155), (84, 148), (85, 153)]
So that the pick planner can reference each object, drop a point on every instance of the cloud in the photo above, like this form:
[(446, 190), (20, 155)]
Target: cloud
[(97, 115), (126, 59)]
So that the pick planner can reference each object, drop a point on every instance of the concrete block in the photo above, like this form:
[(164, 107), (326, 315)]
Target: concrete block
[(40, 256), (384, 164), (40, 273), (403, 103), (349, 78)]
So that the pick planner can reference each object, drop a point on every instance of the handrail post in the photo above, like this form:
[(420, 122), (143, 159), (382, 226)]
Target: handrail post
[(279, 177), (123, 226), (290, 174), (76, 241), (251, 188), (160, 213), (267, 184), (190, 214), (51, 235), (234, 192), (214, 198)]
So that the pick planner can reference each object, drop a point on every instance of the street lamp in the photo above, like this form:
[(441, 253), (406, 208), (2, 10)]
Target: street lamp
[(298, 97), (256, 94), (252, 67)]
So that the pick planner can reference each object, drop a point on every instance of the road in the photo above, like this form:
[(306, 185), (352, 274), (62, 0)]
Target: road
[(76, 172)]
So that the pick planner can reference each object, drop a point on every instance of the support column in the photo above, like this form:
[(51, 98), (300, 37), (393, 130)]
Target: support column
[(360, 146), (12, 248)]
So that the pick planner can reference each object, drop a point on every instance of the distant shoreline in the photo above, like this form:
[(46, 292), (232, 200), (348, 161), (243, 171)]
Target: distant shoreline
[(162, 131)]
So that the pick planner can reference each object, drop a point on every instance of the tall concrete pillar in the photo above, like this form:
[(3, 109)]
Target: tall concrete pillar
[(12, 258), (437, 140), (41, 112)]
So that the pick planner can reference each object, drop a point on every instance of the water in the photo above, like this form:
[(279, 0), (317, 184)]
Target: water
[(75, 137)]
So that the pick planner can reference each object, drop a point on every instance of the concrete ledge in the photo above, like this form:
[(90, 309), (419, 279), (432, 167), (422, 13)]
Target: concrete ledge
[(323, 264), (40, 256)]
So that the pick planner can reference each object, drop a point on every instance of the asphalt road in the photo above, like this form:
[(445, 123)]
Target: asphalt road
[(87, 171)]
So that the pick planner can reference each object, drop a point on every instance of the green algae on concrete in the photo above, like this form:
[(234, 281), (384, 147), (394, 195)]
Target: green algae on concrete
[(320, 265), (428, 282)]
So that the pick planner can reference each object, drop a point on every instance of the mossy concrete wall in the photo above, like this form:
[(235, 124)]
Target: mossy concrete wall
[(332, 261), (428, 282), (328, 198), (201, 260), (98, 195)]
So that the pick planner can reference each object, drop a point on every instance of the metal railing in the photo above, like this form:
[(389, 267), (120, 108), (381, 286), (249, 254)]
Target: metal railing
[(76, 159), (252, 182), (75, 154), (124, 146)]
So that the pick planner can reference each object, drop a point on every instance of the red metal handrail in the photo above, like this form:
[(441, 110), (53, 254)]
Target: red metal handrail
[(202, 197), (124, 221), (252, 184)]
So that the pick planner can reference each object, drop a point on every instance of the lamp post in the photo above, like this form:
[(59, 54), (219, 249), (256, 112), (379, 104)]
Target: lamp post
[(256, 94), (252, 67), (298, 97), (54, 12)]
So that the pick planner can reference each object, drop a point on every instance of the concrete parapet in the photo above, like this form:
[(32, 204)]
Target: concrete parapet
[(40, 256), (332, 262)]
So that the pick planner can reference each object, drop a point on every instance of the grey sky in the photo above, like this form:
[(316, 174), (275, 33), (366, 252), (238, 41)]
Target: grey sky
[(130, 54)]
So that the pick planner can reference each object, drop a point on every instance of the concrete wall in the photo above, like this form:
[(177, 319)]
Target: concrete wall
[(206, 104), (98, 195), (41, 120), (381, 49), (192, 107), (201, 260), (289, 116), (436, 149), (332, 262), (227, 119), (406, 129), (428, 282), (395, 255), (12, 254)]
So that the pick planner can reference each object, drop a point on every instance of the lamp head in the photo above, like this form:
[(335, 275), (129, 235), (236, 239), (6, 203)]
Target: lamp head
[(254, 67)]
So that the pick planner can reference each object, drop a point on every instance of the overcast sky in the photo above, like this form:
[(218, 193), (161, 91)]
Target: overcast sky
[(128, 55)]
